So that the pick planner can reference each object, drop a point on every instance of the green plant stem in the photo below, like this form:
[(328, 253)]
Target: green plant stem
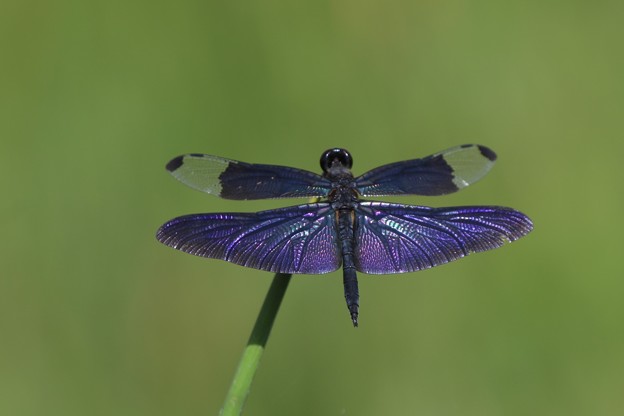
[(239, 389)]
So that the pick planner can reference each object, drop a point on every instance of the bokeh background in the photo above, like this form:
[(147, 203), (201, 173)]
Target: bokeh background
[(97, 318)]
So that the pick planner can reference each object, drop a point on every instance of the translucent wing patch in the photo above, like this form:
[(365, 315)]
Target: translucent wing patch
[(392, 238), (231, 179), (298, 239), (438, 174)]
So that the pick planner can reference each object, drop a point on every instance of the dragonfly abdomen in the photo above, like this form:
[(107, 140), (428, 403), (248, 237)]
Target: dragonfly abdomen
[(346, 221)]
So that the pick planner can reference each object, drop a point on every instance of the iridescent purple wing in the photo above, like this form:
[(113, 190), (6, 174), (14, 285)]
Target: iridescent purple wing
[(438, 174), (392, 238), (231, 179), (298, 239)]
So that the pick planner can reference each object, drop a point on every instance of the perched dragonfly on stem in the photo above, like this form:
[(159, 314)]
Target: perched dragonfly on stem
[(342, 229)]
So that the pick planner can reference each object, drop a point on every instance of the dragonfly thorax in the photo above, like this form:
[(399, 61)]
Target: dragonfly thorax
[(344, 194)]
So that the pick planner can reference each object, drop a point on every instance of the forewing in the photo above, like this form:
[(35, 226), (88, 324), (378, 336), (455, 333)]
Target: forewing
[(392, 238), (299, 239), (438, 174), (231, 179)]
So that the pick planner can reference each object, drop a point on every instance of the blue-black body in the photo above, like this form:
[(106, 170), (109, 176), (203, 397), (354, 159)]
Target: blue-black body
[(344, 199)]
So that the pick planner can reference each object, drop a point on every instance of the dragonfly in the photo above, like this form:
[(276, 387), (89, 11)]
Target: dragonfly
[(341, 228)]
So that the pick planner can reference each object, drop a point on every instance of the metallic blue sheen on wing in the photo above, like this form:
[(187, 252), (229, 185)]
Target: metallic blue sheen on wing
[(298, 239), (439, 174), (432, 176), (253, 181), (392, 238)]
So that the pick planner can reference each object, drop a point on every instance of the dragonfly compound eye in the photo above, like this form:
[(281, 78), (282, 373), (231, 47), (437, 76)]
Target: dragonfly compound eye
[(332, 156)]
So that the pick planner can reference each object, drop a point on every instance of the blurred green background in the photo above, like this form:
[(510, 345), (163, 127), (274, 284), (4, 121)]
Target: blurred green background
[(97, 318)]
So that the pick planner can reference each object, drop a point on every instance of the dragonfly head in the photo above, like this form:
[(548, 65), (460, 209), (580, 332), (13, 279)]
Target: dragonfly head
[(334, 158)]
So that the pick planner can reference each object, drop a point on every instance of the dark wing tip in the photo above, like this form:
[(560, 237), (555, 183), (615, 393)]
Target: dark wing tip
[(175, 163), (487, 152)]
